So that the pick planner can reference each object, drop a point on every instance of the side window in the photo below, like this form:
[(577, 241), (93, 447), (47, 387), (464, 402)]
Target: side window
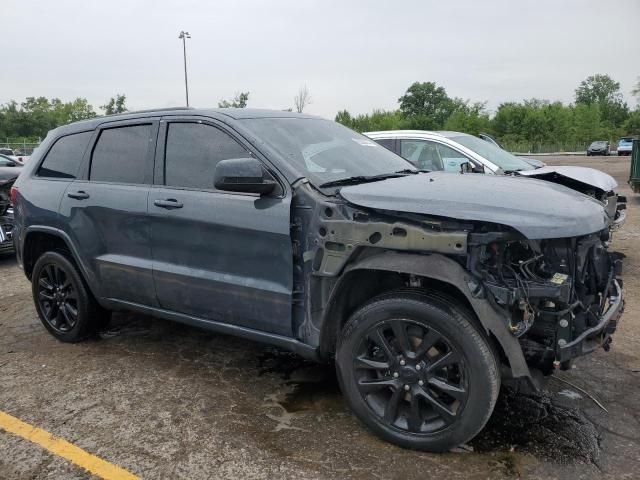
[(64, 158), (193, 151), (385, 142), (452, 159), (422, 153), (120, 155)]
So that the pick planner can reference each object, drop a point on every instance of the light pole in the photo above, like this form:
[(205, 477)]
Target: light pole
[(183, 36)]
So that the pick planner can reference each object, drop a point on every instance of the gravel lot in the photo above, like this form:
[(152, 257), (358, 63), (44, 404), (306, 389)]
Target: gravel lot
[(167, 401)]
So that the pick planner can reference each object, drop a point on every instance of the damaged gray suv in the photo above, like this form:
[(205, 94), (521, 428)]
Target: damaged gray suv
[(429, 290)]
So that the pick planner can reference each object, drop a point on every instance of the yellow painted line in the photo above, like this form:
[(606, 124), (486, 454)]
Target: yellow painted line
[(64, 449)]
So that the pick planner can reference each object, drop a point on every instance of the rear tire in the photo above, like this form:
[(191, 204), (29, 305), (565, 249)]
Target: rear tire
[(63, 301), (416, 371)]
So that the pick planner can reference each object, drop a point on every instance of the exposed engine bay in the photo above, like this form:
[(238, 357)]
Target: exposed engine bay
[(555, 290)]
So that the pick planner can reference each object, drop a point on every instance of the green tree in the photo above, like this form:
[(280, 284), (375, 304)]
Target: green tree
[(598, 89), (239, 101), (344, 117), (636, 90), (426, 106), (115, 105), (604, 91), (35, 116), (586, 123), (377, 120), (469, 118), (632, 125)]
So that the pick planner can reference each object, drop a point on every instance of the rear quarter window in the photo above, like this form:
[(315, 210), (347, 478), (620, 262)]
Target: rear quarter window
[(65, 156)]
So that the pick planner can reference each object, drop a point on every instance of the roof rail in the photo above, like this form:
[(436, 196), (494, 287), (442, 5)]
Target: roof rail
[(166, 109)]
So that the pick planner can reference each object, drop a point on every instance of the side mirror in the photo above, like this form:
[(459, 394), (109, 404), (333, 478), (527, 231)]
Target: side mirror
[(242, 175)]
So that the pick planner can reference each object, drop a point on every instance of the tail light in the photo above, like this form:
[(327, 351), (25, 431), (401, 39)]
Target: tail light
[(13, 195)]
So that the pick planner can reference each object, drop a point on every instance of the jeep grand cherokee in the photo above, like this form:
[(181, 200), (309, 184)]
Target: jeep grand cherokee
[(427, 289)]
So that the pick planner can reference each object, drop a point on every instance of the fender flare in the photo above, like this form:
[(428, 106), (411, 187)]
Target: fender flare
[(444, 269), (67, 240)]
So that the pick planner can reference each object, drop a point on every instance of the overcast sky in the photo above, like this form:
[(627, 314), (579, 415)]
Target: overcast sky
[(357, 55)]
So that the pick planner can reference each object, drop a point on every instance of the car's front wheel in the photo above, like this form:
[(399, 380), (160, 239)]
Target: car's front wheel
[(414, 368), (63, 301)]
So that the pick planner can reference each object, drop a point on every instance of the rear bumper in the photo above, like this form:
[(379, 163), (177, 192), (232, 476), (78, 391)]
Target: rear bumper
[(600, 334)]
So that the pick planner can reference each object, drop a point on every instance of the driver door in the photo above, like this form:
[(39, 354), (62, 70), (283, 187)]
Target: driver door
[(221, 256)]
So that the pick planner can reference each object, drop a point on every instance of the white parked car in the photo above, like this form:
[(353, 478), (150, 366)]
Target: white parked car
[(460, 152)]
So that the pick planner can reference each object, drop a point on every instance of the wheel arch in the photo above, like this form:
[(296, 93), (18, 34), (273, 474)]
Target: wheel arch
[(40, 239), (358, 284)]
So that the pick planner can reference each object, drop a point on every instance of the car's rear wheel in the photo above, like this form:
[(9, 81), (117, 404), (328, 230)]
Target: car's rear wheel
[(64, 303), (416, 371)]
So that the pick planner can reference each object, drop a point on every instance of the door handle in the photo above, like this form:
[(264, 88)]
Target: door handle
[(79, 195), (169, 203)]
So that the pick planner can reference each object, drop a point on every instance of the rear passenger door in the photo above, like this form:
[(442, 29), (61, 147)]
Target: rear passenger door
[(223, 256), (105, 211)]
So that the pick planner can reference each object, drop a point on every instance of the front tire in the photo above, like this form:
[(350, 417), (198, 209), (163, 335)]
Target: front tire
[(416, 371), (63, 301)]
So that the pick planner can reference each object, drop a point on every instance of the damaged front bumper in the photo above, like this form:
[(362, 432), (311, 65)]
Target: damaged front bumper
[(598, 335), (6, 232)]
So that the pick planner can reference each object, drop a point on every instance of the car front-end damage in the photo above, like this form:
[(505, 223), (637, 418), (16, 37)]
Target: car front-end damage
[(588, 181), (539, 278), (562, 296), (6, 217)]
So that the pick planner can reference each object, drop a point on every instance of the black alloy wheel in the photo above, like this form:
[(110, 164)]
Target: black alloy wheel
[(416, 370), (410, 376), (63, 301), (57, 298)]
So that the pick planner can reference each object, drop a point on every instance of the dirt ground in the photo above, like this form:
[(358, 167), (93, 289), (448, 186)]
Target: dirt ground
[(168, 401)]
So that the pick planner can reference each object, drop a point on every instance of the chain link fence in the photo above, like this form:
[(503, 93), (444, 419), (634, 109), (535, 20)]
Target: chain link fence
[(560, 147), (19, 147)]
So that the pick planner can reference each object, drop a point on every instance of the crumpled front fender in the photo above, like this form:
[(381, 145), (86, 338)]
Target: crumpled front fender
[(444, 269)]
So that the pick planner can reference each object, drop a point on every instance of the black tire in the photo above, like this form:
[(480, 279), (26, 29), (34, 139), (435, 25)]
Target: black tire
[(588, 154), (458, 371), (59, 290)]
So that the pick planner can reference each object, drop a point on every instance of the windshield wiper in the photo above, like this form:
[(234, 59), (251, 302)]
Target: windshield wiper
[(365, 178)]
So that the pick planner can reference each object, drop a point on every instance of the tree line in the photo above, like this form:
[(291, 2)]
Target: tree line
[(598, 112), (31, 120)]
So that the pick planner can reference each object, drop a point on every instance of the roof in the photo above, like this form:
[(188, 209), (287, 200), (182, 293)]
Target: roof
[(220, 113)]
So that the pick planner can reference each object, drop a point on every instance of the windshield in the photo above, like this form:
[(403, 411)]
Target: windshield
[(598, 143), (325, 151), (499, 157), (625, 141)]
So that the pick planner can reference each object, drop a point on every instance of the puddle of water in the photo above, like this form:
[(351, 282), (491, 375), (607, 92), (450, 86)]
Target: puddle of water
[(531, 423), (312, 386)]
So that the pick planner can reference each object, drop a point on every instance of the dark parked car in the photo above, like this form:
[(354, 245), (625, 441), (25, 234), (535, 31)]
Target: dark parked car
[(9, 171), (428, 289), (599, 147)]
